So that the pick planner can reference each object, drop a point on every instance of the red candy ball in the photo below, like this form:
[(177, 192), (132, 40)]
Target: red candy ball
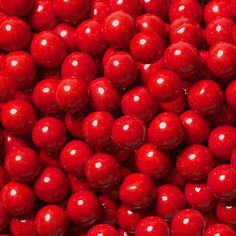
[(102, 229), (220, 229)]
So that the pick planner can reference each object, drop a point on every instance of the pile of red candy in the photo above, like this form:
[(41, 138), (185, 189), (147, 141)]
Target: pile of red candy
[(118, 117)]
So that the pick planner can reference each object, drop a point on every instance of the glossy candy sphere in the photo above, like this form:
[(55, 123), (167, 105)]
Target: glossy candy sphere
[(74, 156), (205, 97), (49, 134), (166, 131), (83, 208), (199, 197), (220, 229), (188, 222), (43, 16), (17, 198), (48, 49), (139, 103), (44, 96), (147, 47), (71, 11), (15, 34), (89, 37), (230, 94), (103, 96), (195, 162), (137, 191), (226, 213), (152, 162), (22, 164), (165, 86), (51, 220), (118, 29), (128, 132), (169, 200), (121, 69), (79, 64), (221, 60), (97, 128), (196, 127), (102, 171), (71, 94), (222, 141), (18, 117), (51, 186), (102, 229), (222, 182), (182, 58), (151, 226), (98, 10)]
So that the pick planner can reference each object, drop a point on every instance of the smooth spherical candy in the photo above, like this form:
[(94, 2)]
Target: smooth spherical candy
[(22, 164), (199, 197), (219, 30), (7, 86), (89, 37), (182, 58), (128, 218), (18, 117), (23, 225), (21, 66), (103, 171), (102, 229), (15, 34), (118, 29), (222, 182), (67, 32), (97, 128), (83, 208), (166, 131), (216, 9), (49, 134), (226, 212), (169, 200), (48, 49), (128, 132), (165, 86), (51, 220), (205, 97), (121, 69), (17, 198), (139, 103), (185, 8), (220, 229), (221, 60), (103, 96), (188, 222), (51, 186), (74, 156), (147, 47), (186, 30), (230, 94), (43, 16), (71, 94), (195, 162), (16, 8), (222, 141), (99, 10), (196, 127), (137, 191), (81, 65), (44, 96), (151, 226), (152, 162), (71, 11)]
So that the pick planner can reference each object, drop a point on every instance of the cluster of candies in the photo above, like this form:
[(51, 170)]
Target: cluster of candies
[(118, 117)]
